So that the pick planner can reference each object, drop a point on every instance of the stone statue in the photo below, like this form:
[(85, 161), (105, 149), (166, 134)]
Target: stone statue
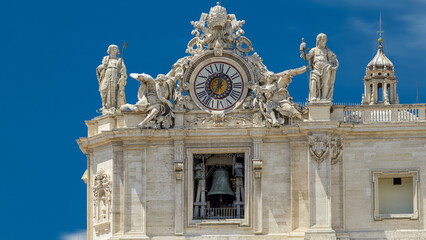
[(273, 96), (182, 101), (217, 31), (112, 77), (154, 97), (323, 65)]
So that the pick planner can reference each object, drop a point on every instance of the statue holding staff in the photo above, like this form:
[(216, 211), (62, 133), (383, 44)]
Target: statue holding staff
[(323, 65), (112, 77)]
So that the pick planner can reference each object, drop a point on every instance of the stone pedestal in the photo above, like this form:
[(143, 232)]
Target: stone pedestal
[(319, 110)]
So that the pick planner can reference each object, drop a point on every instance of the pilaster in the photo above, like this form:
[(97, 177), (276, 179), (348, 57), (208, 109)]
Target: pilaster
[(319, 175), (257, 170), (179, 194)]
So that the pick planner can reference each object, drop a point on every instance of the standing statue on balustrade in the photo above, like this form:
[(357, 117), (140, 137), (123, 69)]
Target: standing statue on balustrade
[(112, 77), (323, 65)]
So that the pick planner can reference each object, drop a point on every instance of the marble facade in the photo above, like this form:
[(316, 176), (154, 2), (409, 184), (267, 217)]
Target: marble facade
[(308, 172)]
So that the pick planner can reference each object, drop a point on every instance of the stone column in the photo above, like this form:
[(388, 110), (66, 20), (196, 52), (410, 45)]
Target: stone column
[(396, 101), (179, 172), (319, 188), (376, 92), (257, 169), (385, 93)]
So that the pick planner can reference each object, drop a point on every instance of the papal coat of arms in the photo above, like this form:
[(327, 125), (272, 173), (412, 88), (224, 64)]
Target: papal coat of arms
[(319, 147)]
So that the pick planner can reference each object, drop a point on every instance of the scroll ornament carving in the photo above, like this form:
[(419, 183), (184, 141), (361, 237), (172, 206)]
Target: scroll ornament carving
[(319, 147), (102, 201), (336, 149), (219, 120), (257, 168)]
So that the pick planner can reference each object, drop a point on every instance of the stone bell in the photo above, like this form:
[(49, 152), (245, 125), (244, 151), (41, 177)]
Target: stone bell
[(197, 175), (239, 170), (220, 185)]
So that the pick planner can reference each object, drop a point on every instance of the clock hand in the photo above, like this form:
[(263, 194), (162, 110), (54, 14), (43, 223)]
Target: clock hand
[(219, 84)]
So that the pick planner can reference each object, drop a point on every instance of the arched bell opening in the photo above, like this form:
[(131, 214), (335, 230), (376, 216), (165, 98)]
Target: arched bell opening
[(380, 93)]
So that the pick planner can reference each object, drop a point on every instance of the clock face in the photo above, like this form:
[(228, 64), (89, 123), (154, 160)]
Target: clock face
[(219, 86)]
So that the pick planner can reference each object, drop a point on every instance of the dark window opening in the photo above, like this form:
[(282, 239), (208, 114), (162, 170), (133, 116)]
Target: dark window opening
[(397, 181)]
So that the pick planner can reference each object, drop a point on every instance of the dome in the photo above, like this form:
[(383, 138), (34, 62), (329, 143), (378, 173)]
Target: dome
[(380, 61)]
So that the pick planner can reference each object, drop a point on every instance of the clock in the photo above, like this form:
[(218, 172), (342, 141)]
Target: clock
[(218, 85)]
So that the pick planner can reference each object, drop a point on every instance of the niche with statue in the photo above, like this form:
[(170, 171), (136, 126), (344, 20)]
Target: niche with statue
[(219, 186)]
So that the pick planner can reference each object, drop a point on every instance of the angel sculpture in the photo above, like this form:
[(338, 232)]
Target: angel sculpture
[(274, 98), (154, 97)]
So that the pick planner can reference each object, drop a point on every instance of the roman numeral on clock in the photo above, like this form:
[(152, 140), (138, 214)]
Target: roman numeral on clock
[(209, 69), (229, 102), (215, 66), (219, 104), (220, 70), (207, 100), (199, 85), (234, 95), (202, 94), (238, 85), (235, 75)]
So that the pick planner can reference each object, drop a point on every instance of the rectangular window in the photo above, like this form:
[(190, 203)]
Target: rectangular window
[(218, 186), (395, 194)]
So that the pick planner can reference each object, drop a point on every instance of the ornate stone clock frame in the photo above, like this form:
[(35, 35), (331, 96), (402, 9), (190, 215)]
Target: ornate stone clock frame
[(228, 57)]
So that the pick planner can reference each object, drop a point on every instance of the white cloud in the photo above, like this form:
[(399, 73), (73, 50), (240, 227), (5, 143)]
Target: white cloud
[(362, 26), (77, 235), (404, 23)]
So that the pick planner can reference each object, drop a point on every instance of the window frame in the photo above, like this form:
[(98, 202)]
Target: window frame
[(248, 186), (376, 174)]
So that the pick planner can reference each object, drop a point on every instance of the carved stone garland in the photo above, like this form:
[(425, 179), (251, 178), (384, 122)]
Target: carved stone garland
[(102, 202)]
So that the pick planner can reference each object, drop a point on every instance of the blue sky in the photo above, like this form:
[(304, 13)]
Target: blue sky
[(49, 87)]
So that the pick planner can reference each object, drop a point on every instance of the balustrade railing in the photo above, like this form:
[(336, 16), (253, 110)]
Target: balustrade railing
[(384, 113), (222, 213)]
